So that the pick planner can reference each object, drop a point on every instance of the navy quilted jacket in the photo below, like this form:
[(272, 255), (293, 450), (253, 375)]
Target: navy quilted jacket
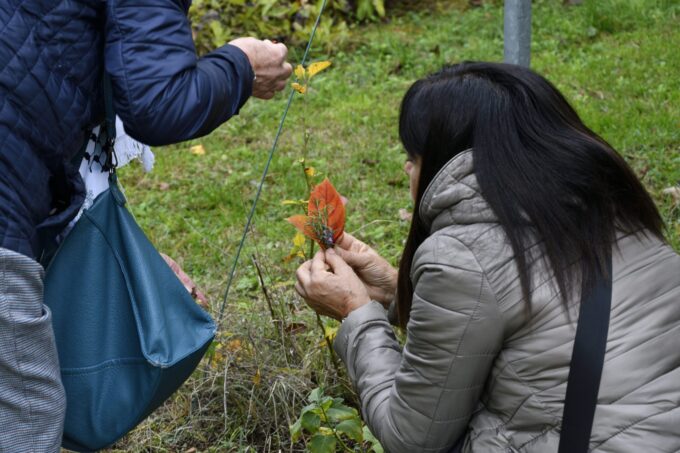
[(52, 53)]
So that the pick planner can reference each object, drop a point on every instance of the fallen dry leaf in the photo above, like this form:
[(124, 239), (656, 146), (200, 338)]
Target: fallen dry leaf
[(257, 378), (405, 214), (188, 283), (234, 345), (197, 150), (295, 328), (674, 192)]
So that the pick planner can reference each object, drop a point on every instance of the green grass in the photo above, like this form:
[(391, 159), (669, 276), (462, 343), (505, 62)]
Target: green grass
[(613, 60)]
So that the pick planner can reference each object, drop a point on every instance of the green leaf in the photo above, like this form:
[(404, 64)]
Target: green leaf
[(370, 438), (310, 408), (322, 444), (340, 412), (219, 35), (352, 429), (311, 422), (296, 430), (379, 6), (326, 403), (315, 396)]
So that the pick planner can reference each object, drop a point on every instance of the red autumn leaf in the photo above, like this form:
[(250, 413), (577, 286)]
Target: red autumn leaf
[(326, 202), (325, 219)]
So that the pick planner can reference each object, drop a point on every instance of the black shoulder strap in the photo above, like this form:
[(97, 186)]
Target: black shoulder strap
[(585, 370), (108, 107), (109, 126)]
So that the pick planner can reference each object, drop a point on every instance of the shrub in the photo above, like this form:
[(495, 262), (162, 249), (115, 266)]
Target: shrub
[(217, 21), (614, 16)]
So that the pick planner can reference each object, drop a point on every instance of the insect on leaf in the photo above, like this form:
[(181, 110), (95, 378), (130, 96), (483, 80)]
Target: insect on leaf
[(317, 67), (302, 89), (325, 202)]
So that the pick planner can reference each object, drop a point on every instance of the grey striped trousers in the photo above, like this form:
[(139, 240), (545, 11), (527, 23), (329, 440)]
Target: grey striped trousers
[(32, 400)]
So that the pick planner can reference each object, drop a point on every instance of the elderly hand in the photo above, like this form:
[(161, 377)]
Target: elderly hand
[(379, 277), (269, 64), (330, 286)]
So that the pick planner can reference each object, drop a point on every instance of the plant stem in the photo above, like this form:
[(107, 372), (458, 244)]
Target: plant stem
[(319, 322), (310, 185), (335, 433), (331, 354), (279, 322), (264, 289)]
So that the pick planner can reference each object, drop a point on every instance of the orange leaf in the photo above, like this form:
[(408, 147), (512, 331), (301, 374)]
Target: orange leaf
[(301, 222), (326, 202)]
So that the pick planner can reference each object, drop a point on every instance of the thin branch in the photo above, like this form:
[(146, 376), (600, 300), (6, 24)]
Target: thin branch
[(264, 289)]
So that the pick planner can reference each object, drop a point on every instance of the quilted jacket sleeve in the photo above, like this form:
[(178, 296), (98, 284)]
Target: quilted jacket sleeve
[(422, 398), (163, 92)]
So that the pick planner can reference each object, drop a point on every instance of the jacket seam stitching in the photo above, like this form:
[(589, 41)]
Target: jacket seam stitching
[(633, 424), (534, 394), (116, 24), (545, 431), (460, 344)]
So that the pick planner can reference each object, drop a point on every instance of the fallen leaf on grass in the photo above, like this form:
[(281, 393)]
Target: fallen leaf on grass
[(405, 214), (197, 150), (674, 192), (188, 283), (295, 328), (234, 345)]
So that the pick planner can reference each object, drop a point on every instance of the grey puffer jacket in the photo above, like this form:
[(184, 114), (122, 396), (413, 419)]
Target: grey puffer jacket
[(477, 366)]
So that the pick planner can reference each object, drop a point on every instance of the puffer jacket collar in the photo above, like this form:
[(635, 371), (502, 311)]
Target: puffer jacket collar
[(454, 197)]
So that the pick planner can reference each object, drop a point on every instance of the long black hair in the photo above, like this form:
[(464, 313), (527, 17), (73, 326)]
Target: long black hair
[(542, 171)]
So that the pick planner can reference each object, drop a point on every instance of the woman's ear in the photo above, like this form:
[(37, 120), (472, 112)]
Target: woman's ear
[(412, 168)]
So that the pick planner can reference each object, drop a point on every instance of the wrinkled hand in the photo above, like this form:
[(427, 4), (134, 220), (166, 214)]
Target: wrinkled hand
[(374, 271), (330, 286), (269, 64)]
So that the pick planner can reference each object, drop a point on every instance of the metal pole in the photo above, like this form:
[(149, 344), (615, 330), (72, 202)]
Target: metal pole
[(517, 32)]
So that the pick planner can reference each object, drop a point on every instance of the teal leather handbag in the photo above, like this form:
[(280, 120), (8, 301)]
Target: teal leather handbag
[(128, 333)]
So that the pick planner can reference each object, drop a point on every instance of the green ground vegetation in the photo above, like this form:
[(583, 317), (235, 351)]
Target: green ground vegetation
[(616, 61)]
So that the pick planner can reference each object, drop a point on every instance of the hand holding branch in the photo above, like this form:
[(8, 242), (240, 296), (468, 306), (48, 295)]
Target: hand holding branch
[(374, 271), (330, 286), (268, 60)]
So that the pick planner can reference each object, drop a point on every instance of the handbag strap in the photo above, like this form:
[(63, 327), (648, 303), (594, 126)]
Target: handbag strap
[(587, 360), (107, 134), (110, 120)]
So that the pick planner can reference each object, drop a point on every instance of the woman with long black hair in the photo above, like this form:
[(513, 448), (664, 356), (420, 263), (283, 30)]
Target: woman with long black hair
[(519, 209)]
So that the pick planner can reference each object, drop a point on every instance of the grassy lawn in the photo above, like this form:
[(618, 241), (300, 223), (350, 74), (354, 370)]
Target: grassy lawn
[(614, 60)]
